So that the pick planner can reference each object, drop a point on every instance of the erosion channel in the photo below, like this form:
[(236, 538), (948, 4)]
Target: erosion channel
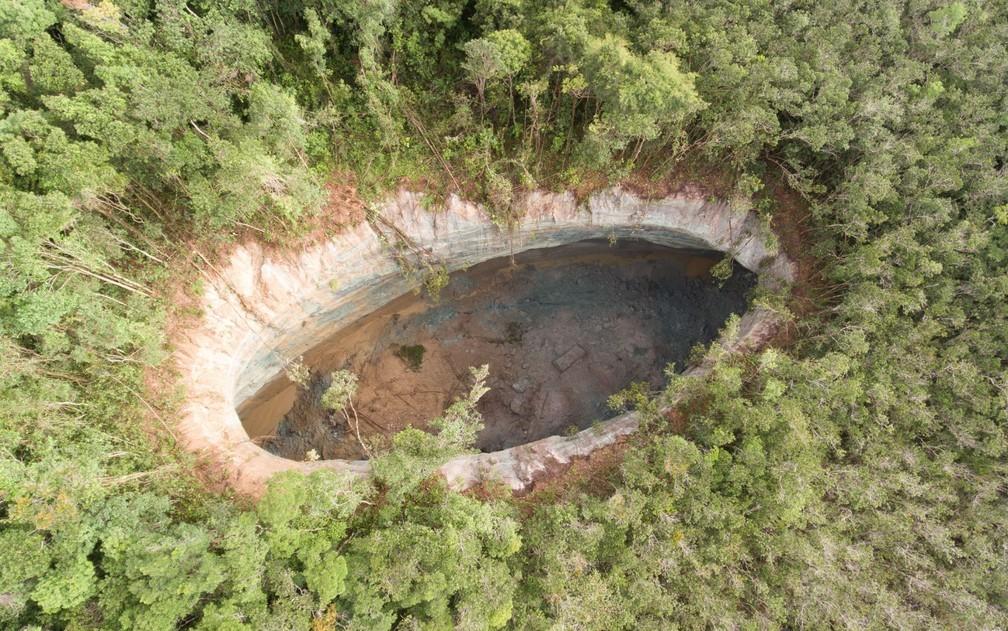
[(561, 328)]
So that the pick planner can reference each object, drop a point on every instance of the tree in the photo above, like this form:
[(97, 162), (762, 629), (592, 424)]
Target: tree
[(499, 55)]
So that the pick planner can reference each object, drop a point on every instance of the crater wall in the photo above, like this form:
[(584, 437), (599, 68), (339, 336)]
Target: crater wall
[(260, 310)]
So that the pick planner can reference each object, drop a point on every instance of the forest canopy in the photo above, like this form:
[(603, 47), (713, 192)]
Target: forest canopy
[(854, 476)]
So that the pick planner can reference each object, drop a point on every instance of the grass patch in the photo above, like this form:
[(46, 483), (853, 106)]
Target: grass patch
[(412, 355)]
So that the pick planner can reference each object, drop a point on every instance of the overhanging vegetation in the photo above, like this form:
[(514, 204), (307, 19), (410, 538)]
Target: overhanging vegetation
[(853, 476)]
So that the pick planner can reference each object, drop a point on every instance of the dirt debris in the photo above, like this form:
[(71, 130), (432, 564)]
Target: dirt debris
[(565, 361)]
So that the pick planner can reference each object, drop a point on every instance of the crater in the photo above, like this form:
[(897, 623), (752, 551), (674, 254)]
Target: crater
[(562, 317), (561, 329)]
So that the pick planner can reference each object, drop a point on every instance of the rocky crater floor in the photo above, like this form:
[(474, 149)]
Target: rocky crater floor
[(561, 328)]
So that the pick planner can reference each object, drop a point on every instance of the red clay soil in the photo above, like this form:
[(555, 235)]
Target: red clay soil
[(196, 257)]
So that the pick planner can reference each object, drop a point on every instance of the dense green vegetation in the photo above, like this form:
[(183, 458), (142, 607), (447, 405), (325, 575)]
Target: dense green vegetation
[(855, 479)]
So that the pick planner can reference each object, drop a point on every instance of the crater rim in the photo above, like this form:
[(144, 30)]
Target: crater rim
[(261, 308)]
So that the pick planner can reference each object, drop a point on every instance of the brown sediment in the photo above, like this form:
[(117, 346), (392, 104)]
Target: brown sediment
[(561, 329)]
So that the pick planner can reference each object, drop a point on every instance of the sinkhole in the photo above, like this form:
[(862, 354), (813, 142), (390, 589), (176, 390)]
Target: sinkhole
[(561, 329), (569, 302)]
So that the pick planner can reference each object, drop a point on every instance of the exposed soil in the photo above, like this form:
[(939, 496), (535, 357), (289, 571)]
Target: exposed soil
[(561, 328)]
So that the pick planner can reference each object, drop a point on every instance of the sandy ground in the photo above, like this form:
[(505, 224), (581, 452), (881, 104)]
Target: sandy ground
[(562, 329)]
